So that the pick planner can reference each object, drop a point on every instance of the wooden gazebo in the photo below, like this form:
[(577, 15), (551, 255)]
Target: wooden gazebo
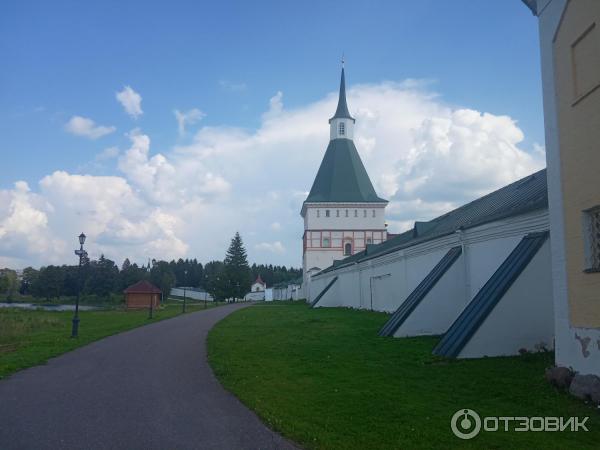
[(142, 294)]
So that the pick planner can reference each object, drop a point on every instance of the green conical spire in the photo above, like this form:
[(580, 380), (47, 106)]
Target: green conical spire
[(342, 108)]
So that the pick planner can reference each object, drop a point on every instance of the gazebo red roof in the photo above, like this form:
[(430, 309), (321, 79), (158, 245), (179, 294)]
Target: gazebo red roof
[(142, 287)]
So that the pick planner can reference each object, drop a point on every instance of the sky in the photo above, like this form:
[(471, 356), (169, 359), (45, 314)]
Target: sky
[(162, 128)]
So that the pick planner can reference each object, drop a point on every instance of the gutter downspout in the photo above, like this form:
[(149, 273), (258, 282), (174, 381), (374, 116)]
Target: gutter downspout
[(467, 278)]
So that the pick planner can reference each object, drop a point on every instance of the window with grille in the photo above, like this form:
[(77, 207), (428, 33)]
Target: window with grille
[(592, 239), (342, 128)]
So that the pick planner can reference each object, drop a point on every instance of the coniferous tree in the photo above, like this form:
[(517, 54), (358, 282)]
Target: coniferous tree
[(237, 270)]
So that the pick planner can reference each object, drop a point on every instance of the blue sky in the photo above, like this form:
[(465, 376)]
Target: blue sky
[(228, 59)]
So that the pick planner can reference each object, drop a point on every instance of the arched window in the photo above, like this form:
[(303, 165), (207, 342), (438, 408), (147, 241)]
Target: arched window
[(326, 242), (347, 249), (369, 241), (342, 128)]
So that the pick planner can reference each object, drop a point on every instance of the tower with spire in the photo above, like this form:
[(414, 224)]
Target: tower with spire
[(342, 213)]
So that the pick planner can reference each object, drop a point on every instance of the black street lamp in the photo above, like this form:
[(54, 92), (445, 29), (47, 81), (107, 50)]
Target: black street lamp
[(81, 253), (184, 287)]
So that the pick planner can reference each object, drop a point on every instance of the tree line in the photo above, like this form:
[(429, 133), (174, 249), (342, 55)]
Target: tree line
[(230, 278)]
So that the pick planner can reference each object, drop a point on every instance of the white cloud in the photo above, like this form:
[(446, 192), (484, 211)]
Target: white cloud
[(423, 155), (82, 126), (273, 247), (131, 101), (187, 118), (107, 154), (275, 106)]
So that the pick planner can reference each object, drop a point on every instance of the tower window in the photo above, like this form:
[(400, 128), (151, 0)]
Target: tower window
[(373, 213), (364, 213), (326, 213), (342, 128), (356, 213), (347, 249), (346, 213), (337, 213), (318, 213)]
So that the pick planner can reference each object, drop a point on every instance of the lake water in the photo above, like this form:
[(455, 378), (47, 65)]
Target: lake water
[(47, 307)]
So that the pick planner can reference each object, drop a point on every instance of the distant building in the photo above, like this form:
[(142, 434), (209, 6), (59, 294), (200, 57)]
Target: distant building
[(569, 33), (142, 294), (342, 213), (257, 290), (259, 285)]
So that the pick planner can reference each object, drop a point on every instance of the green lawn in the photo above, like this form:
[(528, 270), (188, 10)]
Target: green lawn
[(324, 379), (29, 338)]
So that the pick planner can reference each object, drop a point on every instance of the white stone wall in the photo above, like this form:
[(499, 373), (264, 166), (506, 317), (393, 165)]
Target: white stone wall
[(484, 249), (360, 216), (328, 229), (524, 317), (440, 307), (192, 294), (334, 129)]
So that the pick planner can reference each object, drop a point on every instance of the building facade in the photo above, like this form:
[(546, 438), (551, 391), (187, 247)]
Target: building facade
[(569, 33), (259, 285), (141, 295), (342, 213), (479, 275)]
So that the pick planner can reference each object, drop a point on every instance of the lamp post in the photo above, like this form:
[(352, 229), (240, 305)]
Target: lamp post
[(184, 287), (81, 253)]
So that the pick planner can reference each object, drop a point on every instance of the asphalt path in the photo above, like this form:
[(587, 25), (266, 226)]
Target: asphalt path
[(148, 388)]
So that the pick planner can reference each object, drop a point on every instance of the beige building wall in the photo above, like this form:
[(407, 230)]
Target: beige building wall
[(576, 49)]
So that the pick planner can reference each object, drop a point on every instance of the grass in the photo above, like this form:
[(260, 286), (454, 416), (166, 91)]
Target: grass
[(323, 378), (31, 337)]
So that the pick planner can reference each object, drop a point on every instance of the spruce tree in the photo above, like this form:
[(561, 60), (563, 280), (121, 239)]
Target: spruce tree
[(237, 270)]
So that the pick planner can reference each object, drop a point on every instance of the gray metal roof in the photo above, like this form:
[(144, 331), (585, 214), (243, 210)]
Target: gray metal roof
[(525, 195), (342, 177), (469, 321), (419, 293), (342, 108)]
